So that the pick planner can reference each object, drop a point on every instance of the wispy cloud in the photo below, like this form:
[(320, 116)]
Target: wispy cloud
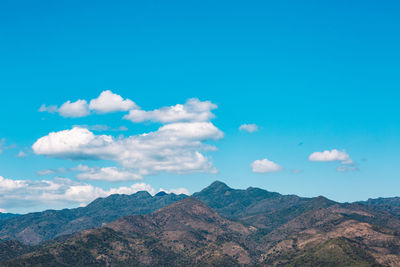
[(21, 154), (193, 110), (251, 128)]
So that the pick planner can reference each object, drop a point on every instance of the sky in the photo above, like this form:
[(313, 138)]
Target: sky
[(100, 97)]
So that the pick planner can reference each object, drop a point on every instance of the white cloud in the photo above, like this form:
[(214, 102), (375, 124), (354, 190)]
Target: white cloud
[(24, 195), (192, 110), (68, 144), (176, 191), (105, 103), (347, 164), (173, 147), (75, 109), (3, 210), (109, 102), (111, 174), (264, 166), (176, 147), (69, 109), (251, 128), (333, 155)]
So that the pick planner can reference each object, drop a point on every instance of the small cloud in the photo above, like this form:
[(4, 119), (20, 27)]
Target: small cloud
[(50, 109), (251, 128), (333, 155), (21, 154), (347, 164), (3, 210), (75, 109), (69, 109), (109, 102), (264, 166)]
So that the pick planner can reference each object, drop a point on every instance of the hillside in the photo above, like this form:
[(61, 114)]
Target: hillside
[(186, 233), (258, 207), (7, 215), (390, 204), (37, 227), (189, 233)]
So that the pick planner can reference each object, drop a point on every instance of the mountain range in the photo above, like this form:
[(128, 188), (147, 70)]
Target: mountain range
[(218, 226)]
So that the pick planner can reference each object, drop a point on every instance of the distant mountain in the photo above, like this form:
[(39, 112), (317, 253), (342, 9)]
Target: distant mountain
[(258, 207), (217, 226), (186, 233), (390, 204), (189, 233), (389, 201), (37, 227)]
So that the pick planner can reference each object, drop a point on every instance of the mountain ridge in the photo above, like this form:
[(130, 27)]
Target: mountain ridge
[(255, 225)]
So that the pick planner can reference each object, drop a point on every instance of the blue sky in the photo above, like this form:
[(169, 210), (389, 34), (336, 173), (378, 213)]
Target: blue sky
[(313, 76)]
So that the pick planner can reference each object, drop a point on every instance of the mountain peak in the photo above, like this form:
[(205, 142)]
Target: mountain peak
[(143, 194), (160, 194), (218, 186)]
